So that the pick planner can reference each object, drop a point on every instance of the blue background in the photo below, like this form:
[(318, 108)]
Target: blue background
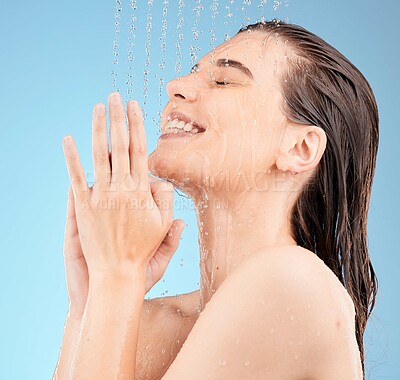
[(56, 63)]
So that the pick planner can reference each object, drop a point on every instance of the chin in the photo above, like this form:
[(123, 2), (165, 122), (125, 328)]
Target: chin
[(163, 166), (181, 171)]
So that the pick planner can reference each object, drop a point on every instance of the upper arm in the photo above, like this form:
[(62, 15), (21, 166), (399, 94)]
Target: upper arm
[(162, 332), (267, 320)]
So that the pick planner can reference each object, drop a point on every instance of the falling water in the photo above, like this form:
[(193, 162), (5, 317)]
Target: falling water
[(277, 4), (194, 49), (261, 7), (117, 17), (161, 65), (178, 65), (228, 16), (246, 18), (163, 39), (147, 52), (204, 13), (214, 13), (131, 46)]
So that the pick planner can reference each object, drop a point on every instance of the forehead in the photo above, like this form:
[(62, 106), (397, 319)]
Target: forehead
[(263, 54)]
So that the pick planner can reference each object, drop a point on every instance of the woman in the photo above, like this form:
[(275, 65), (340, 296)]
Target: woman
[(274, 136)]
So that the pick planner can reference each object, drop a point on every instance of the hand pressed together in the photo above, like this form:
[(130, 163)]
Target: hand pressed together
[(125, 218)]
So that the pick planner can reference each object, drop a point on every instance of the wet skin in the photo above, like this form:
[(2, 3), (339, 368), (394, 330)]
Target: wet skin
[(239, 171)]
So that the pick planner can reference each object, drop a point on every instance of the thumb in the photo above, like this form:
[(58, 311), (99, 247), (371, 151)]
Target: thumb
[(163, 195), (171, 241)]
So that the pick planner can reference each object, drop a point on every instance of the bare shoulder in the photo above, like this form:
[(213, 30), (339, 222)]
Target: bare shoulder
[(320, 303), (298, 266), (275, 316)]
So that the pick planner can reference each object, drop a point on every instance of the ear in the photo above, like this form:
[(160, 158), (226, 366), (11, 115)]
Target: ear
[(302, 148)]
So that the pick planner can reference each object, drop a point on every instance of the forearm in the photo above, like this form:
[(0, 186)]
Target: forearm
[(107, 344), (69, 341)]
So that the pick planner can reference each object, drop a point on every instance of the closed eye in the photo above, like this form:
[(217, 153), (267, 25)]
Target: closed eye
[(221, 83)]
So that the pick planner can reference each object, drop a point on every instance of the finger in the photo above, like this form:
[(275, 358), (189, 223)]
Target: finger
[(70, 204), (74, 167), (72, 245), (171, 241), (137, 144), (118, 136), (163, 195), (100, 153)]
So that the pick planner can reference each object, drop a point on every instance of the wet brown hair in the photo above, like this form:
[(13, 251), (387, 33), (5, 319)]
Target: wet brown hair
[(323, 88)]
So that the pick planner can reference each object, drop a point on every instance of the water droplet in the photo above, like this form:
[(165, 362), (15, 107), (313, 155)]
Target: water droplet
[(246, 363), (271, 331)]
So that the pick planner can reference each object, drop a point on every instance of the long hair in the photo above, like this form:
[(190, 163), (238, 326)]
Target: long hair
[(322, 88)]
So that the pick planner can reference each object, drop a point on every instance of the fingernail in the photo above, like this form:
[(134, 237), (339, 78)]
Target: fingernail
[(115, 97), (135, 106), (99, 108), (67, 139)]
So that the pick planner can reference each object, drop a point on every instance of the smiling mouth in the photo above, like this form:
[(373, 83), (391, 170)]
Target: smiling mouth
[(180, 126)]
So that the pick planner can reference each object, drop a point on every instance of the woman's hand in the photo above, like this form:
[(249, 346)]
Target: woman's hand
[(76, 269), (124, 220)]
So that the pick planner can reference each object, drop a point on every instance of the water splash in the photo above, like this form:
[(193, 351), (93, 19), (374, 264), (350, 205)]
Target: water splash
[(117, 17)]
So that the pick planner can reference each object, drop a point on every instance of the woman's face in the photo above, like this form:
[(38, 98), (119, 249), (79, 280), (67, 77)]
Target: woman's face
[(232, 98)]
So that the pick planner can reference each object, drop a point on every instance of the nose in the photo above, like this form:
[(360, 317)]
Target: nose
[(181, 89)]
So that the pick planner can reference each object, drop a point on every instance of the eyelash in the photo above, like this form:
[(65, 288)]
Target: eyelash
[(223, 83)]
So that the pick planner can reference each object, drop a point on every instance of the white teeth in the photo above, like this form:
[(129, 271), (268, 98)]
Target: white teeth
[(173, 123), (188, 127), (180, 125)]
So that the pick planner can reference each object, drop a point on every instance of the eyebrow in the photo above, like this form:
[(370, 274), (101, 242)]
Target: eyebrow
[(230, 63)]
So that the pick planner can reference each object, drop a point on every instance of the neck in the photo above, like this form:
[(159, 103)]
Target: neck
[(232, 228)]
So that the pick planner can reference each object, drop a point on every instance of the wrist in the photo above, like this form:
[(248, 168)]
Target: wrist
[(118, 282)]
